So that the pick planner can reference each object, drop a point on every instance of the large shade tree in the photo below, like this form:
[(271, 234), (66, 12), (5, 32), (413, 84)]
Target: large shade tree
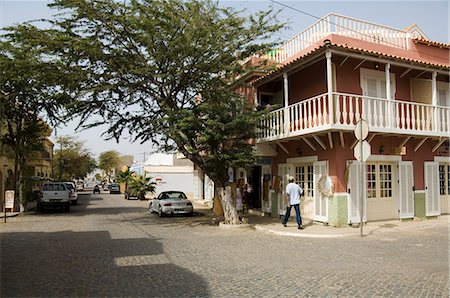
[(162, 70), (31, 98)]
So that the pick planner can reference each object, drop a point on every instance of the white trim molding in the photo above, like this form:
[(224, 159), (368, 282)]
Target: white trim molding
[(306, 159), (384, 158), (442, 158)]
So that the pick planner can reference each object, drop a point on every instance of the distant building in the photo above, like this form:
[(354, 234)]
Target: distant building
[(169, 171)]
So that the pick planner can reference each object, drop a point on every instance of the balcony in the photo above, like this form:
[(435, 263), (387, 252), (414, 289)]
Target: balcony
[(383, 116), (345, 26)]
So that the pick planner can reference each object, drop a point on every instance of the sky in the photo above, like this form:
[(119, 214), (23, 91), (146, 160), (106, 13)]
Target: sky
[(431, 16)]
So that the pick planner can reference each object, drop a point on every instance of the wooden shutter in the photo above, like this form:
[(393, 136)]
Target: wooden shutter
[(406, 194), (320, 202), (355, 186), (432, 201)]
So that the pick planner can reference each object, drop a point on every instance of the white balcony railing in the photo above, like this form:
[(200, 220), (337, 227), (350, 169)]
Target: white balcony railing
[(340, 25), (382, 115)]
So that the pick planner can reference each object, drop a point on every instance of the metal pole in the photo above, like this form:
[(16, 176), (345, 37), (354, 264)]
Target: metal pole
[(361, 208)]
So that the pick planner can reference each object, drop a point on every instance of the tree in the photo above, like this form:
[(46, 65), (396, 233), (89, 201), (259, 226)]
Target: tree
[(140, 185), (71, 159), (162, 70), (125, 177), (30, 96), (109, 162)]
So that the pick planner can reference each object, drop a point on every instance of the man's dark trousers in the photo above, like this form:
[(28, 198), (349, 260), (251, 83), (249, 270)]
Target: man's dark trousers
[(297, 214)]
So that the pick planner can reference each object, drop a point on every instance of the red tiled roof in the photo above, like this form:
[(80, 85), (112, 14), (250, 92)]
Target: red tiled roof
[(433, 43), (361, 46)]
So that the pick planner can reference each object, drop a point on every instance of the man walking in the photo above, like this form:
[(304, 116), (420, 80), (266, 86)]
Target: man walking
[(293, 192)]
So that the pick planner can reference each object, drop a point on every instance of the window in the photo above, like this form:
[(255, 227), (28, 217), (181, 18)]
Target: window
[(373, 83), (371, 181), (443, 94), (304, 176), (379, 180), (444, 179)]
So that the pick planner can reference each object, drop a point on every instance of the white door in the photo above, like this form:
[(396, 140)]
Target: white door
[(432, 202), (320, 202), (355, 189), (405, 191), (283, 172)]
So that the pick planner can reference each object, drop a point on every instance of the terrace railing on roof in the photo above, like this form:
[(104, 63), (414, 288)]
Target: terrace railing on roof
[(340, 25)]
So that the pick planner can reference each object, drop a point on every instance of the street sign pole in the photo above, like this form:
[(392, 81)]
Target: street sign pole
[(361, 208), (361, 133)]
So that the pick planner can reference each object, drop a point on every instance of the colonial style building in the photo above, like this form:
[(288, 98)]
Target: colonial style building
[(340, 71)]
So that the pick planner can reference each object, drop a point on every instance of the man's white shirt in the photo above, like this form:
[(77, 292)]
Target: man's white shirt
[(294, 191)]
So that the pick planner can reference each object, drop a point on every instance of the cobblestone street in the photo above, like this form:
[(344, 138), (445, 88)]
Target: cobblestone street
[(107, 246)]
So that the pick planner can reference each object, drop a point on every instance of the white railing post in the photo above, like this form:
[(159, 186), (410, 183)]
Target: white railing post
[(434, 100), (286, 102), (329, 87), (388, 95)]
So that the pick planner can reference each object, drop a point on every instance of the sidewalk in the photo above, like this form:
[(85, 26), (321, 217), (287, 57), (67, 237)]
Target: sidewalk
[(273, 225)]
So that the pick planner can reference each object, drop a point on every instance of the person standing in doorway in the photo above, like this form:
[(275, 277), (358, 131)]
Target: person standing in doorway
[(293, 193)]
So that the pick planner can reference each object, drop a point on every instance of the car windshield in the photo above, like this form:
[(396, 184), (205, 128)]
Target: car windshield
[(69, 186), (172, 195), (53, 187)]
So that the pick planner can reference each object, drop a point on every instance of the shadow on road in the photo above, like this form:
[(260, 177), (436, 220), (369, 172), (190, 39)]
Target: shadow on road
[(91, 264)]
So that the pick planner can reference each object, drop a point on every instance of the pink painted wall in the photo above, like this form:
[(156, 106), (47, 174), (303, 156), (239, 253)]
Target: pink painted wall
[(338, 156), (308, 82)]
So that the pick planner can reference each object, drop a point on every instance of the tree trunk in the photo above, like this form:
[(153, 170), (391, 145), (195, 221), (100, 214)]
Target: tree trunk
[(229, 210)]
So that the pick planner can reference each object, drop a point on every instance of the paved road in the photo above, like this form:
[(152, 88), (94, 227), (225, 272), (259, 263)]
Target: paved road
[(107, 246)]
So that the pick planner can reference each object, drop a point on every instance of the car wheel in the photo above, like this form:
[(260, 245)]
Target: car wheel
[(150, 207), (191, 214), (67, 209), (160, 212), (75, 202)]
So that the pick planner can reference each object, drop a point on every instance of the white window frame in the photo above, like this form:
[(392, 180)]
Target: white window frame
[(444, 86), (377, 75)]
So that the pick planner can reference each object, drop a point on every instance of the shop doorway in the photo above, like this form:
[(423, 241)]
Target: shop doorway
[(255, 182)]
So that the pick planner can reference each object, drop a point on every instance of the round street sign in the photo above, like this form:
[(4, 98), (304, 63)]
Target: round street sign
[(365, 151), (361, 130)]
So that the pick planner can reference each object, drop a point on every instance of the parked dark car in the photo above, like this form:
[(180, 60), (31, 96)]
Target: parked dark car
[(96, 189), (114, 188)]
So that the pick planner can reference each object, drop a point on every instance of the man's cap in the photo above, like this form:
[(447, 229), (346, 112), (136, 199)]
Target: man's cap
[(290, 178)]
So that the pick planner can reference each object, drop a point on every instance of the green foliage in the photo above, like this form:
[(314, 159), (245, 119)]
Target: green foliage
[(109, 161), (71, 159), (141, 65), (125, 177), (140, 185)]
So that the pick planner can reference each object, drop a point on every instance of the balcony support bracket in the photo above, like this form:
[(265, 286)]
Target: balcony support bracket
[(283, 148), (319, 141), (309, 143), (420, 144), (438, 145), (330, 140), (403, 143), (341, 137)]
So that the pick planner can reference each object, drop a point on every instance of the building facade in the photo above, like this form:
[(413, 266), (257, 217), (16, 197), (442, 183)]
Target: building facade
[(341, 71)]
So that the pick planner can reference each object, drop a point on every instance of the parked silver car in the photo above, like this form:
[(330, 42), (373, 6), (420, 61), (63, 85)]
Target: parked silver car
[(171, 203)]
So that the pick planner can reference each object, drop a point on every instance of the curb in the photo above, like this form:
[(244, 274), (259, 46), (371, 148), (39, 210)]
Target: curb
[(224, 226), (302, 235), (14, 214)]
